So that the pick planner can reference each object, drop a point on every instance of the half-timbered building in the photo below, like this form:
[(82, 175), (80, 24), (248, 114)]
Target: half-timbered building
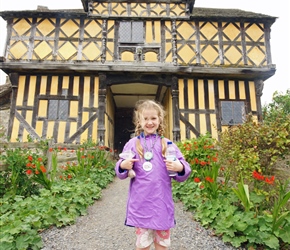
[(76, 74)]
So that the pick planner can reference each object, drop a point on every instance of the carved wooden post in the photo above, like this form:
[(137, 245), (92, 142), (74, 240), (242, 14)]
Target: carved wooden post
[(259, 85), (102, 107), (174, 44), (175, 109)]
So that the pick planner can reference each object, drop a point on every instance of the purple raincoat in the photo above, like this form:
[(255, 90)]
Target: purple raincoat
[(150, 203)]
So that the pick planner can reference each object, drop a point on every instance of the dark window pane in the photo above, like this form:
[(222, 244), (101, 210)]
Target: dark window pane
[(233, 112), (63, 110), (125, 32), (52, 109), (131, 32), (137, 32)]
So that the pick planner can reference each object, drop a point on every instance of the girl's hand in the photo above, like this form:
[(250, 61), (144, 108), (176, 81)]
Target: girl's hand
[(128, 164), (175, 166)]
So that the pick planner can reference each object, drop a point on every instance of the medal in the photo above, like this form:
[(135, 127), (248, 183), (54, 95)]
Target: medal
[(147, 166), (148, 156)]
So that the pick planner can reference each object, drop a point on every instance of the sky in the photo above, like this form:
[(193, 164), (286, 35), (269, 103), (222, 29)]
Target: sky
[(280, 31)]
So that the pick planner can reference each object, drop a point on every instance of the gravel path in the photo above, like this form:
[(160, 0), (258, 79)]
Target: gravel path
[(103, 228)]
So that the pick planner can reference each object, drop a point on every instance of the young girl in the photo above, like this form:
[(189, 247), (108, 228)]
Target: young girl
[(150, 207)]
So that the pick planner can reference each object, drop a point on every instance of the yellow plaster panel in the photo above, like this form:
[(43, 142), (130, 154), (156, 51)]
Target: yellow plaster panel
[(110, 49), (149, 33), (254, 32), (209, 30), (157, 27), (67, 50), (31, 92), (127, 56), (191, 94), (28, 119), (232, 31), (50, 126), (191, 120), (65, 82), (45, 27), (69, 28), (256, 55), (54, 85), (201, 94), (86, 97), (232, 55), (110, 29), (202, 121), (221, 89), (43, 86), (15, 129), (211, 95), (84, 135), (252, 91), (42, 108), (76, 86), (185, 52), (185, 30), (96, 92), (168, 47), (232, 94), (102, 8), (209, 54), (94, 132), (119, 9), (181, 93), (177, 9), (39, 127), (242, 90), (91, 51), (214, 131), (93, 29), (138, 9), (151, 57), (21, 26), (20, 91), (43, 50), (19, 49), (73, 128), (73, 112), (61, 131)]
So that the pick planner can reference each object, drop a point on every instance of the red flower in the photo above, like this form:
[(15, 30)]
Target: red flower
[(39, 159), (196, 179), (43, 169), (36, 172), (29, 164), (64, 149), (203, 163), (258, 176), (209, 179), (196, 160), (214, 159), (50, 149), (29, 171), (270, 181), (30, 158), (201, 187), (69, 176)]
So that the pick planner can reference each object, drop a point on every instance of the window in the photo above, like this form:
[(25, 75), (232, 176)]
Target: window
[(233, 112), (58, 109), (131, 32)]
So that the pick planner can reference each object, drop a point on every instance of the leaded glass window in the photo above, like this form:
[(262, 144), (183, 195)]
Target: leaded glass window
[(58, 109), (131, 32), (233, 112)]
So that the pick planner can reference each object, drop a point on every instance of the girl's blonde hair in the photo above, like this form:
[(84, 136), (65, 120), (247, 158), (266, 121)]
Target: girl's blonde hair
[(139, 108)]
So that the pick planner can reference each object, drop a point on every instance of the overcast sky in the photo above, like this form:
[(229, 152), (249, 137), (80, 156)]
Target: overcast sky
[(280, 38)]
